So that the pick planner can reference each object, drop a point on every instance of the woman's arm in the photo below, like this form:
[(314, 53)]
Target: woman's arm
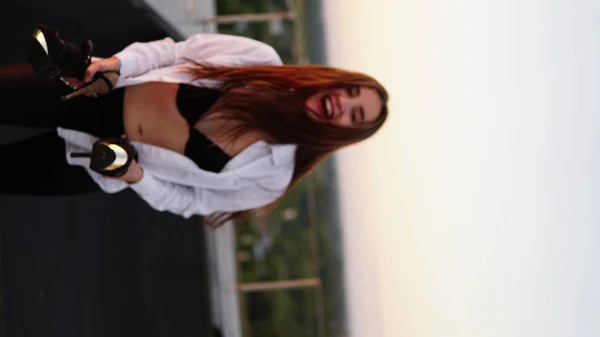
[(216, 49), (188, 201), (219, 49)]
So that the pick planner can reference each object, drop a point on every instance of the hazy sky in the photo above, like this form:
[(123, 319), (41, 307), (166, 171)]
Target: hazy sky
[(474, 212)]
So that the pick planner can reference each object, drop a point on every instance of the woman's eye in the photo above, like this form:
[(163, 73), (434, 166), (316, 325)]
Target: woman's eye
[(354, 91)]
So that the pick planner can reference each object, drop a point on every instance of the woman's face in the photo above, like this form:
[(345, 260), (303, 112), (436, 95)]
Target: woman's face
[(348, 107)]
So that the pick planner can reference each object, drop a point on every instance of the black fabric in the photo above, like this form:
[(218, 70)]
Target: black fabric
[(192, 103), (33, 101), (38, 166), (205, 153)]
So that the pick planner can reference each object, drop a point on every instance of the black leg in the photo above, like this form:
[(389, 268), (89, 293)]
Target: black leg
[(29, 100), (38, 166)]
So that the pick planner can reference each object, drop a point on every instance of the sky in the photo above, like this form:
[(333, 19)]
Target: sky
[(475, 210)]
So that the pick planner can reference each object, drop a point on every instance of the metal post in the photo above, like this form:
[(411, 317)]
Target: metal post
[(275, 285)]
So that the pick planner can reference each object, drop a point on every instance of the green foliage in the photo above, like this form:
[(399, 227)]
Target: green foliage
[(285, 247), (262, 31)]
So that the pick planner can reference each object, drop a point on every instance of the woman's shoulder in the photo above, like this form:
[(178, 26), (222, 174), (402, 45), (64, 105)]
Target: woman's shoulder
[(265, 166), (265, 159), (278, 154)]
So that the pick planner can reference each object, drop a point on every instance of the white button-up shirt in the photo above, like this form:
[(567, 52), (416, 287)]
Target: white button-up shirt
[(172, 182)]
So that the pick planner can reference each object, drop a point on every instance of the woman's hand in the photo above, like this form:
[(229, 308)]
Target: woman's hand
[(134, 173), (103, 65)]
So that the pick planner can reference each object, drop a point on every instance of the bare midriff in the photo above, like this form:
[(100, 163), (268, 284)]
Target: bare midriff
[(150, 115)]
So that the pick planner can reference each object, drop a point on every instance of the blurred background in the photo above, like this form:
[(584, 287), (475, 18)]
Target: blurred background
[(472, 213)]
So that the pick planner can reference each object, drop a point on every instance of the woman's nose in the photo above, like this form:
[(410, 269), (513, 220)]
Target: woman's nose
[(347, 104)]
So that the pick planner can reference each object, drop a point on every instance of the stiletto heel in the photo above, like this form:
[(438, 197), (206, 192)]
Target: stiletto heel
[(52, 57), (103, 83), (110, 157)]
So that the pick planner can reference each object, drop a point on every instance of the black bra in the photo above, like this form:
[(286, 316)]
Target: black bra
[(192, 103)]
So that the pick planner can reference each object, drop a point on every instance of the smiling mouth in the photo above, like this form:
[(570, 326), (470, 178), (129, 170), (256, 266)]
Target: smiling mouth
[(327, 107)]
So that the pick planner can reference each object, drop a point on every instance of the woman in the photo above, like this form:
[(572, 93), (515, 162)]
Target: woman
[(222, 128)]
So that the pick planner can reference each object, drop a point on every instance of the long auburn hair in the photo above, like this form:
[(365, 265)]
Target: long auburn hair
[(273, 102)]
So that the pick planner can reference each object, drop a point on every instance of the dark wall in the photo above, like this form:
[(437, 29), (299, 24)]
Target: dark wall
[(111, 24), (94, 265)]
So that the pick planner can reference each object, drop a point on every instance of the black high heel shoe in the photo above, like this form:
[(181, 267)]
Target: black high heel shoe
[(52, 57), (110, 157)]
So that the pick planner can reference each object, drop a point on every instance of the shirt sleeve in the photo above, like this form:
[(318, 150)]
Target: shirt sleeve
[(188, 201), (217, 49)]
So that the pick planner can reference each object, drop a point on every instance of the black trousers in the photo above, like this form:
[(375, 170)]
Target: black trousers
[(38, 166)]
